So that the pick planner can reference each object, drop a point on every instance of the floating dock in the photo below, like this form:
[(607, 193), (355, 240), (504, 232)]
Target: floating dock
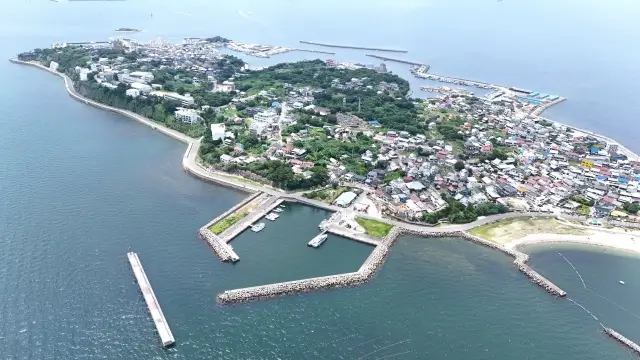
[(152, 302), (622, 340)]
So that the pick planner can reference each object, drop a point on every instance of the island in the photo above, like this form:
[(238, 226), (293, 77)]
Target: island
[(351, 139), (125, 29)]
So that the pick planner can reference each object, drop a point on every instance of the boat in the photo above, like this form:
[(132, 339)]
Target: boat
[(277, 210), (317, 241), (257, 227), (282, 206), (272, 216), (621, 282), (322, 223)]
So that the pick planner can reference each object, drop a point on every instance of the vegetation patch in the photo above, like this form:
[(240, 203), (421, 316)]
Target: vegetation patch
[(227, 222), (374, 227)]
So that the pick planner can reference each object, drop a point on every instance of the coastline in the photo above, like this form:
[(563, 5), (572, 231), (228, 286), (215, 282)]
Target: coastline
[(598, 241), (192, 167)]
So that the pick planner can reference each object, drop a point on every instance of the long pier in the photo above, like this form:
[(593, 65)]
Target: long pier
[(622, 340), (152, 302), (394, 60), (352, 47), (455, 80), (374, 261)]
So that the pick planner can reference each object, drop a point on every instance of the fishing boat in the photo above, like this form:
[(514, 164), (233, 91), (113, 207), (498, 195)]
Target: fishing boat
[(317, 241), (257, 227)]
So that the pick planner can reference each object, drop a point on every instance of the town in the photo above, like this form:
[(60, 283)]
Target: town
[(331, 130)]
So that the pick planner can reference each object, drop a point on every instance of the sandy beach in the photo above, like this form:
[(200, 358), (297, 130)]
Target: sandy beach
[(601, 239)]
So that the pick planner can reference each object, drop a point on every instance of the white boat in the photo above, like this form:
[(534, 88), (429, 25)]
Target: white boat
[(272, 216), (282, 206), (621, 282), (322, 223), (257, 227), (277, 210), (317, 241)]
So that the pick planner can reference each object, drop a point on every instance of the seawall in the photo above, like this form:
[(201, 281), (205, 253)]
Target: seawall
[(384, 58)]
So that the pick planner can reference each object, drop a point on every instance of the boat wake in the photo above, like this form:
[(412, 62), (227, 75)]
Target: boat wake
[(382, 348)]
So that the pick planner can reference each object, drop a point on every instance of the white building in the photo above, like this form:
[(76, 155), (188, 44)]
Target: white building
[(188, 116), (218, 131), (54, 66), (142, 75), (226, 86), (257, 128), (185, 99), (267, 117), (133, 93), (144, 88)]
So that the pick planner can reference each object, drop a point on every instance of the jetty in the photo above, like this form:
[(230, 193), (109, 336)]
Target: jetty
[(621, 339), (394, 60), (455, 80), (352, 47), (166, 337)]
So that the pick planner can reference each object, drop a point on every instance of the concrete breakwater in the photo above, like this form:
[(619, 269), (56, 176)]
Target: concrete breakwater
[(622, 340), (316, 51), (219, 247), (351, 47), (395, 60)]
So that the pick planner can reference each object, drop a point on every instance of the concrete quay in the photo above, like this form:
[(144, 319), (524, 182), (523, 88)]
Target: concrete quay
[(621, 339), (166, 336), (350, 234), (267, 205), (458, 81), (540, 109)]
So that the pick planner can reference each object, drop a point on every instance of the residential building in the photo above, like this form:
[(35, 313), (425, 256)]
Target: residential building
[(185, 99), (143, 88), (188, 116), (54, 66), (133, 93), (218, 131)]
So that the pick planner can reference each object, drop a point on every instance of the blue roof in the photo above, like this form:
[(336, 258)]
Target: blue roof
[(623, 180), (275, 104), (594, 150), (602, 177), (374, 122)]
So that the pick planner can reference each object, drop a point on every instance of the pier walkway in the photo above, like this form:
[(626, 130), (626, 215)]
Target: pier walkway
[(152, 302), (351, 234)]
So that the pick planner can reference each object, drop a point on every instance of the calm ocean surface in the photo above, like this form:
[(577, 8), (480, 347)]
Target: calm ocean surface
[(78, 186)]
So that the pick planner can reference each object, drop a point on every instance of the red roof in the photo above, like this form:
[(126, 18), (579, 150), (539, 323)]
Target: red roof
[(408, 179), (608, 199), (486, 148)]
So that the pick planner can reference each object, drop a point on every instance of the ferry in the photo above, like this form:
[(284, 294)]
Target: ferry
[(272, 216), (317, 241), (257, 227)]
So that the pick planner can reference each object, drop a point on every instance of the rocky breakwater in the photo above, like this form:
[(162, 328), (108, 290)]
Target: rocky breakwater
[(520, 261), (219, 247), (289, 287), (622, 340), (375, 260)]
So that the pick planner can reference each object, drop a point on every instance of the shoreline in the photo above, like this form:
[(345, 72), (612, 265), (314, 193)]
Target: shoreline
[(597, 241), (193, 168)]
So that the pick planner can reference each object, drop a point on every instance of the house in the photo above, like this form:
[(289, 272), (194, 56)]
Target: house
[(224, 158), (218, 131), (185, 99)]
